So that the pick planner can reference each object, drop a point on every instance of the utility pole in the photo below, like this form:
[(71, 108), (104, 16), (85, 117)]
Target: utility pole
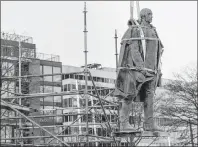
[(86, 72)]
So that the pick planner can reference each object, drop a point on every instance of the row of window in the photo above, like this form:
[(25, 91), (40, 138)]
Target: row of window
[(12, 51), (82, 77), (99, 131), (101, 90), (72, 102), (98, 118)]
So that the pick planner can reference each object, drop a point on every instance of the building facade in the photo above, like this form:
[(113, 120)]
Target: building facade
[(36, 64)]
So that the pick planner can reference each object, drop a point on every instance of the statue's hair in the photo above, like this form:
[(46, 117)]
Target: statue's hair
[(144, 11)]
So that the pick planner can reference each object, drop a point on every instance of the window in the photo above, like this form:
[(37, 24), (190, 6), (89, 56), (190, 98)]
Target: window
[(71, 76), (83, 87), (65, 88), (83, 119), (94, 78), (89, 78), (41, 69), (69, 87), (99, 131), (113, 118), (79, 87), (7, 51), (74, 117), (89, 103), (47, 70), (83, 129), (66, 103), (48, 89), (80, 77), (104, 132), (70, 118), (82, 102), (88, 87), (76, 76), (89, 117), (73, 87), (41, 72), (91, 131), (106, 80), (97, 118), (66, 76), (56, 78), (70, 102), (74, 102)]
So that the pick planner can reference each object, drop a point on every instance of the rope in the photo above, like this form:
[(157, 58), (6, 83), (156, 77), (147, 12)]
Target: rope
[(142, 38), (139, 69)]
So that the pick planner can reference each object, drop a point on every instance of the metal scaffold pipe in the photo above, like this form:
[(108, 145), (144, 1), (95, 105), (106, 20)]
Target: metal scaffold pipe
[(116, 49), (20, 121), (86, 78)]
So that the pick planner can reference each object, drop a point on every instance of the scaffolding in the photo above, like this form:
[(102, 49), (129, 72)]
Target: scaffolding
[(24, 121)]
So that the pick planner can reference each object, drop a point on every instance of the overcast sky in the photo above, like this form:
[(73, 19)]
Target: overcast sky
[(57, 28)]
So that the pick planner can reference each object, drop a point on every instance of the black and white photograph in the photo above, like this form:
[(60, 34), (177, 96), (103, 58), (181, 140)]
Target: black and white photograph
[(99, 73)]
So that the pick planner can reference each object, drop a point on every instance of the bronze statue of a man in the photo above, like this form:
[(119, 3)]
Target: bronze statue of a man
[(138, 69)]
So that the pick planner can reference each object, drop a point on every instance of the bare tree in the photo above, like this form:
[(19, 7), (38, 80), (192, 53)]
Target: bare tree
[(181, 106)]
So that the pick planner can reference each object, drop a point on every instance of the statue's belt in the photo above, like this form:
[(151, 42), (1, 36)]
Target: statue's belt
[(139, 69)]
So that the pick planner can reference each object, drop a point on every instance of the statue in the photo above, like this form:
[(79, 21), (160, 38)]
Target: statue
[(139, 69)]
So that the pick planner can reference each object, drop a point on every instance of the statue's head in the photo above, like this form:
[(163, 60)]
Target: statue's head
[(146, 14)]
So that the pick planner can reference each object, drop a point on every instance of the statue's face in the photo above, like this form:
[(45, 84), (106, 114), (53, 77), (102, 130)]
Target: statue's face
[(149, 17)]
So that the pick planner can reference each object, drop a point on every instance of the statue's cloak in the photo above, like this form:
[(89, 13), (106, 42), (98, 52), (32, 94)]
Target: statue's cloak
[(128, 81)]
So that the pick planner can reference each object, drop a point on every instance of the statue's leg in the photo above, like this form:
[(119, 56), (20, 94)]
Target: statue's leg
[(124, 115), (149, 123)]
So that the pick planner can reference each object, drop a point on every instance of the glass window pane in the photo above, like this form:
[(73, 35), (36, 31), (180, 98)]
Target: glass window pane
[(57, 78), (48, 89), (47, 70), (74, 102), (73, 87), (41, 69)]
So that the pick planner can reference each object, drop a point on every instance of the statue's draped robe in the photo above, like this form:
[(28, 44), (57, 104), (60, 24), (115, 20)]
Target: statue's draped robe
[(129, 82)]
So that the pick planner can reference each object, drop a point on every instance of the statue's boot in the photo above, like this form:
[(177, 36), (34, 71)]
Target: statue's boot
[(124, 116)]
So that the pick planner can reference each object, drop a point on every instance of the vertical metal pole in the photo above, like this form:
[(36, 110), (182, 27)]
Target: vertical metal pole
[(138, 9), (131, 9), (20, 120), (85, 51), (116, 54), (116, 50)]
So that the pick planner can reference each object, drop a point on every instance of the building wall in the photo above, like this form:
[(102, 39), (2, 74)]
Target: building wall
[(50, 84), (31, 66)]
